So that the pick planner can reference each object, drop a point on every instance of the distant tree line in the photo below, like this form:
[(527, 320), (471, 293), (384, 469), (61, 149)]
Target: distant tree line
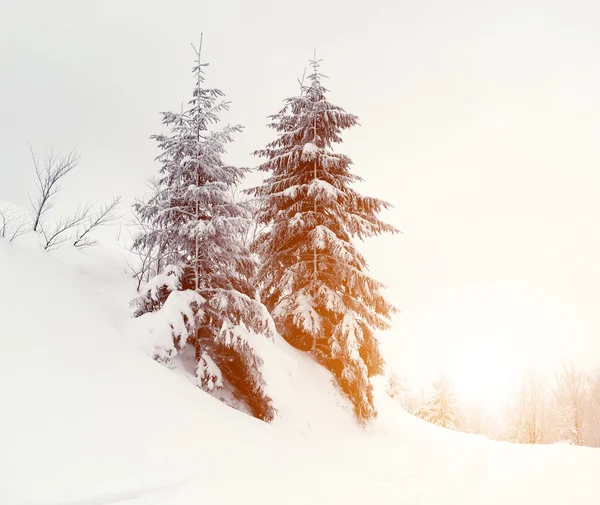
[(564, 408)]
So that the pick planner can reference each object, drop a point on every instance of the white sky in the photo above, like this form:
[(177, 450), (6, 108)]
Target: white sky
[(480, 123)]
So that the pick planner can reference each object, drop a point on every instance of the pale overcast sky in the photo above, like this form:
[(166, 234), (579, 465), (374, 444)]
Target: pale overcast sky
[(480, 122)]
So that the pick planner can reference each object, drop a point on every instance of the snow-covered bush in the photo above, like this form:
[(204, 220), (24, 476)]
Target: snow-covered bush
[(156, 291), (178, 317)]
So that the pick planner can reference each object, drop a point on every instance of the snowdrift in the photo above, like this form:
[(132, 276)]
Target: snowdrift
[(87, 418)]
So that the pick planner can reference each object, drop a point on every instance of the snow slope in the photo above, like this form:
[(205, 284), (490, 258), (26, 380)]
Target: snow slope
[(87, 419)]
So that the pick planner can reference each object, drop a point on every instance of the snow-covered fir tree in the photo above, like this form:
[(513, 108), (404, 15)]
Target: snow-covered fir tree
[(199, 227), (313, 278), (441, 407)]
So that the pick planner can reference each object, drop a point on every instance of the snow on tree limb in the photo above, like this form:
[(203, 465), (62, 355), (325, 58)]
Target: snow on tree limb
[(311, 274), (194, 216)]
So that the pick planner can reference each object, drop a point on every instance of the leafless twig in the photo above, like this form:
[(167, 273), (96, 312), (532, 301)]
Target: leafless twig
[(11, 225), (106, 215), (58, 233), (49, 170), (140, 271), (6, 219)]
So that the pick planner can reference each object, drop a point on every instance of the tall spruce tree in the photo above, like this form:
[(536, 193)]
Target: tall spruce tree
[(199, 225), (313, 278)]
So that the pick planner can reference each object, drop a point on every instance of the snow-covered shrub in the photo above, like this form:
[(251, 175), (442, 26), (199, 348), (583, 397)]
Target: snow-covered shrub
[(156, 291), (179, 317)]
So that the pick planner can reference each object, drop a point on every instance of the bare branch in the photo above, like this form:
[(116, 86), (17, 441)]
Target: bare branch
[(301, 82), (148, 264), (530, 416), (11, 225), (18, 230), (105, 216), (58, 234), (256, 228), (141, 270), (6, 218), (153, 184), (570, 396), (149, 257), (49, 170)]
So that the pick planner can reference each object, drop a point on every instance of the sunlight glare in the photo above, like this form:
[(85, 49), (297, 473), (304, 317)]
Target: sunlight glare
[(487, 341)]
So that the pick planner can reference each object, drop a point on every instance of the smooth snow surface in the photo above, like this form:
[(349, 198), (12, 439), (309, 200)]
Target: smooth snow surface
[(88, 419)]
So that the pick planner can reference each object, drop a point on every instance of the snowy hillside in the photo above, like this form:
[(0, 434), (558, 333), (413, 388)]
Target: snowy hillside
[(87, 418)]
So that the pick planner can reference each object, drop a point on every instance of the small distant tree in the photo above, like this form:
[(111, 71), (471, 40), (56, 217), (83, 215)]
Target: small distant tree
[(592, 426), (50, 170), (530, 422), (570, 398), (12, 224), (472, 418), (441, 407), (397, 388)]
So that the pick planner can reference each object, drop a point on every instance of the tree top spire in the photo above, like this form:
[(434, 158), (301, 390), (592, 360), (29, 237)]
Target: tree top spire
[(198, 67), (315, 76)]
